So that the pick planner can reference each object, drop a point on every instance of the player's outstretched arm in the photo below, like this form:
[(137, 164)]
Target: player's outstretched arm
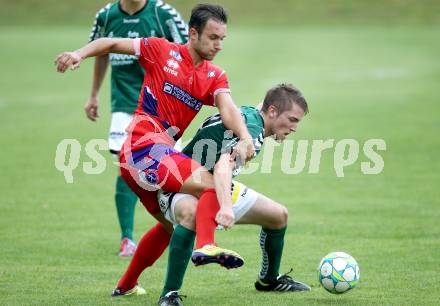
[(232, 120), (222, 182), (97, 47), (100, 67)]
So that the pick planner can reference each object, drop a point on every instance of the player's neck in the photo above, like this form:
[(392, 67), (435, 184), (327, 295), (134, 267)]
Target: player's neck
[(196, 58), (131, 7)]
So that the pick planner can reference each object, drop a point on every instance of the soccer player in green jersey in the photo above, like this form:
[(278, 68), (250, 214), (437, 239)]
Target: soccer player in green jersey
[(280, 114), (128, 19)]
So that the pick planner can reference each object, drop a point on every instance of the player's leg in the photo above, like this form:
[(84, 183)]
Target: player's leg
[(272, 217), (179, 209), (162, 166), (265, 212), (170, 176), (242, 200), (125, 201), (198, 182), (152, 244), (207, 210), (125, 198)]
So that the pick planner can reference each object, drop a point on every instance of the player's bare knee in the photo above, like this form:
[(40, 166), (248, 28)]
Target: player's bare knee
[(188, 216), (279, 218)]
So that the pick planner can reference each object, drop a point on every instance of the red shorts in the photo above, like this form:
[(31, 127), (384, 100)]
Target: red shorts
[(154, 167)]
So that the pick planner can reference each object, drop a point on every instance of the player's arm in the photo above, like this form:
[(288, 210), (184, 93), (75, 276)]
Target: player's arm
[(100, 67), (97, 47), (222, 182), (232, 120), (101, 64)]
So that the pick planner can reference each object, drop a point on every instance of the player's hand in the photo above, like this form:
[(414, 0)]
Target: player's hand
[(245, 150), (91, 108), (225, 218), (67, 60)]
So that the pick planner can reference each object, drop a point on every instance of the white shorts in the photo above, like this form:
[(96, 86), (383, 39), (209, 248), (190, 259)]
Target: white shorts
[(243, 198), (117, 133)]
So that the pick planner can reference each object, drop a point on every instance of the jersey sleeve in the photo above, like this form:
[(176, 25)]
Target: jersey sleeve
[(148, 49), (171, 22), (220, 85), (98, 28), (256, 130)]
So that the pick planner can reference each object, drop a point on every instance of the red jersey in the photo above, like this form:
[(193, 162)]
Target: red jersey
[(173, 91)]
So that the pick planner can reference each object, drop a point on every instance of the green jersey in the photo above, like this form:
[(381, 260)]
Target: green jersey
[(157, 19), (212, 139)]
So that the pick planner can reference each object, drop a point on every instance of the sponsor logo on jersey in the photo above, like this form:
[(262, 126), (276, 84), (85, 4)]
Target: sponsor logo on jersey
[(211, 74), (122, 59), (135, 20), (132, 34), (172, 64), (182, 96), (115, 135), (176, 55), (170, 71)]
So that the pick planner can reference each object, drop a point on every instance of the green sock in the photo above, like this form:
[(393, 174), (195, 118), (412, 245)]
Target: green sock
[(125, 204), (271, 243), (181, 246)]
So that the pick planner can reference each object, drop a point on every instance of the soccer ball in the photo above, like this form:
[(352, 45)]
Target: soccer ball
[(338, 272)]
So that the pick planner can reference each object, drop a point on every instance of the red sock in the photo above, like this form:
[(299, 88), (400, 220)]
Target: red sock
[(205, 218), (149, 249)]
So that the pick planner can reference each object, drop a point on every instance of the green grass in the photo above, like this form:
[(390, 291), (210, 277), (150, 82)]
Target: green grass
[(258, 12), (59, 240)]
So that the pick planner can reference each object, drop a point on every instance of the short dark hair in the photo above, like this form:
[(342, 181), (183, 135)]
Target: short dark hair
[(201, 13), (282, 96)]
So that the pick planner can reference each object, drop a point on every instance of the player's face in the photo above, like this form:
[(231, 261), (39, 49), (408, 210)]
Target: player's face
[(209, 43), (286, 122)]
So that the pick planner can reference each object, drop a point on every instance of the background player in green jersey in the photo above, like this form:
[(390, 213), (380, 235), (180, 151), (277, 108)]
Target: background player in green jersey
[(280, 114), (128, 19)]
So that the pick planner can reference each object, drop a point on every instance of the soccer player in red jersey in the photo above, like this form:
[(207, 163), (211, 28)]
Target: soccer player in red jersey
[(178, 81)]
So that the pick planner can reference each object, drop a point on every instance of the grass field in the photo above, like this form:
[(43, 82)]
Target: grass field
[(59, 241)]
